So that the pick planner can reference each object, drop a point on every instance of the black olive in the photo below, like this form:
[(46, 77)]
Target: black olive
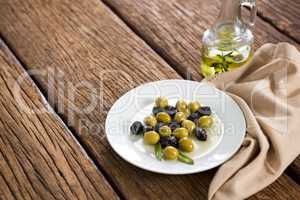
[(156, 110), (148, 128), (169, 141), (164, 141), (158, 125), (194, 116), (173, 125), (137, 128), (171, 110), (204, 111), (200, 133), (174, 141)]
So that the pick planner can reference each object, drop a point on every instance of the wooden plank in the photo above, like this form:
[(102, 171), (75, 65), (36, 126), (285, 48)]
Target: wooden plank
[(88, 43), (284, 14), (174, 28), (39, 158)]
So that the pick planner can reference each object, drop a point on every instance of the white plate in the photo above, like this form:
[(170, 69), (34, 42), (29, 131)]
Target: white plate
[(223, 140)]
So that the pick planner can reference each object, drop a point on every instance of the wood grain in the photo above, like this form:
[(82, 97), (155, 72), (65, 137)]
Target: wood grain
[(74, 43), (281, 186), (174, 28), (39, 158), (284, 14)]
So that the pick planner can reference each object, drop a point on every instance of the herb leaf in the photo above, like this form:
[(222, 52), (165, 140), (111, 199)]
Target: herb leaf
[(158, 151), (229, 54), (185, 159)]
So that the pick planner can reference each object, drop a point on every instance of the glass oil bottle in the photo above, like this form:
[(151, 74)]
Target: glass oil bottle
[(228, 43)]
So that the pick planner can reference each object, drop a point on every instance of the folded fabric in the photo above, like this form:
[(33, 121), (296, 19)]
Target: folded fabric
[(267, 90)]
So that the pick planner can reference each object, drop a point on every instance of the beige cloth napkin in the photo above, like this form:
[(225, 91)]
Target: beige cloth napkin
[(267, 89)]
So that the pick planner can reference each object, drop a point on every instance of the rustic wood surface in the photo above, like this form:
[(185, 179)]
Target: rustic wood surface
[(283, 14), (74, 42), (282, 184), (39, 158), (174, 28)]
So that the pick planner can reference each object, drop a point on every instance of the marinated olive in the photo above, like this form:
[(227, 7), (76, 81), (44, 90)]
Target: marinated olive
[(189, 125), (161, 102), (158, 125), (165, 131), (204, 111), (187, 112), (205, 121), (194, 106), (200, 133), (186, 145), (151, 137), (181, 105), (137, 128), (170, 153), (168, 141), (194, 116), (150, 121), (181, 133), (173, 125), (163, 117), (171, 110), (179, 117), (156, 110)]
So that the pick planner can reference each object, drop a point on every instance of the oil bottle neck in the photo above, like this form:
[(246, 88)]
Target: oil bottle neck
[(230, 10)]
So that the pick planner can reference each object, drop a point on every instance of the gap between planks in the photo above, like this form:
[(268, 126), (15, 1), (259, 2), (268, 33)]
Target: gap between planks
[(270, 22), (63, 120), (172, 63)]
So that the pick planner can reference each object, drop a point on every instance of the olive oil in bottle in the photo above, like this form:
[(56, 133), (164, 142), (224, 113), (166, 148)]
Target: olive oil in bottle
[(228, 44)]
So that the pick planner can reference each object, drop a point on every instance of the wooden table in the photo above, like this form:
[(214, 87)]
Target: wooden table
[(52, 141)]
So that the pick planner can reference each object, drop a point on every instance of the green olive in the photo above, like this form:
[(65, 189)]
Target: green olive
[(151, 137), (181, 132), (181, 105), (186, 145), (163, 117), (186, 112), (194, 106), (161, 102), (170, 153), (179, 117), (150, 121), (189, 125), (165, 131), (205, 121)]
